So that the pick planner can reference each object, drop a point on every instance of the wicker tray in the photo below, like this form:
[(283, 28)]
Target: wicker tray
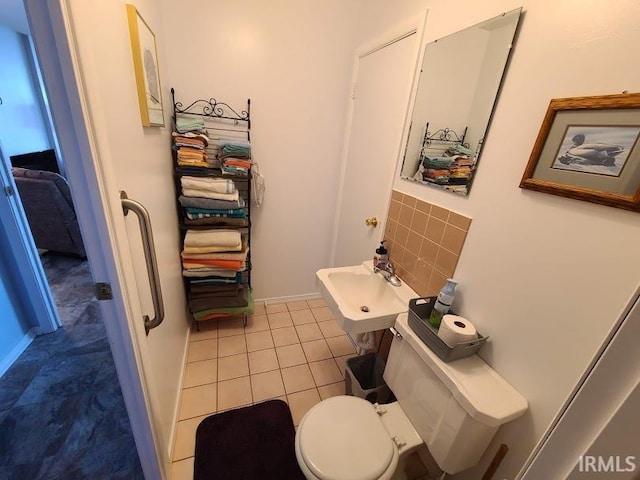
[(419, 311)]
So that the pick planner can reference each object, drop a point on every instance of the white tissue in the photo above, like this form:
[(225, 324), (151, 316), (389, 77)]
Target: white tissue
[(454, 329)]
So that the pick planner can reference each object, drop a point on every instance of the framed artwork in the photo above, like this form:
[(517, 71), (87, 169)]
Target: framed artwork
[(588, 148), (145, 64)]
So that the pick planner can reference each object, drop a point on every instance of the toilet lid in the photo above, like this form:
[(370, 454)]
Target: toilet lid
[(342, 437)]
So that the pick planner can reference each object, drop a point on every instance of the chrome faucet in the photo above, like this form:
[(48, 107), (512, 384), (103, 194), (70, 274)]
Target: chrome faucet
[(387, 271)]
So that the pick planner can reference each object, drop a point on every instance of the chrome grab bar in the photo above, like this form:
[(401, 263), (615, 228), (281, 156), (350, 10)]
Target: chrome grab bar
[(150, 257)]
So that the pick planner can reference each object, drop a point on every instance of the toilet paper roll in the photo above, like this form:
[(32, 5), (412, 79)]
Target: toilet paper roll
[(454, 329)]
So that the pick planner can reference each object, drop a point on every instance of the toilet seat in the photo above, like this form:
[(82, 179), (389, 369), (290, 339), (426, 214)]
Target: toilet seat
[(343, 437)]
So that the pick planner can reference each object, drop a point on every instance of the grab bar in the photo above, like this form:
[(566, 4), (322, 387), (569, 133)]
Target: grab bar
[(150, 257)]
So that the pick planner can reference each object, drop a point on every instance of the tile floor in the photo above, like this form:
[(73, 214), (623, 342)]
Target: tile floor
[(294, 351)]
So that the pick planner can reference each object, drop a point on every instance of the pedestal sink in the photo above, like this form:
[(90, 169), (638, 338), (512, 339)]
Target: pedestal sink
[(361, 300)]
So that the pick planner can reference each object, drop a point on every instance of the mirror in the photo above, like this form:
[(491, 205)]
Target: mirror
[(457, 90)]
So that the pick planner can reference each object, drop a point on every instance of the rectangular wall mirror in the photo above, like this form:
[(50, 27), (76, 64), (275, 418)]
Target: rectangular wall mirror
[(457, 90)]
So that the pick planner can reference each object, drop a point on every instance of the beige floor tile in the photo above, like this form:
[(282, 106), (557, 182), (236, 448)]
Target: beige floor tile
[(203, 350), (302, 317), (284, 336), (229, 327), (197, 401), (279, 320), (185, 442), (207, 330), (182, 469), (263, 361), (276, 307), (290, 355), (309, 332), (330, 328), (297, 378), (340, 346), (342, 362), (300, 305), (259, 308), (301, 402), (231, 345), (259, 341), (316, 350), (200, 373), (234, 393), (267, 385), (325, 372), (321, 314), (256, 323), (233, 366), (316, 302), (331, 390)]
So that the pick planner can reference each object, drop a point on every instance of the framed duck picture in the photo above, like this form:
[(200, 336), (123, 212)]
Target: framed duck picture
[(588, 148)]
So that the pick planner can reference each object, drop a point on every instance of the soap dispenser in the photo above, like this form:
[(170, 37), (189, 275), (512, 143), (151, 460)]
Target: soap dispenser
[(381, 258)]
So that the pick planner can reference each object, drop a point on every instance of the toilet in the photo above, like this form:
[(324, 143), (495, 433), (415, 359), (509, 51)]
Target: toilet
[(454, 409)]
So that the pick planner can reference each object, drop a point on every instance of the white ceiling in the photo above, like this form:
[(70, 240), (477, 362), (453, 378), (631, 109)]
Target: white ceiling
[(13, 16)]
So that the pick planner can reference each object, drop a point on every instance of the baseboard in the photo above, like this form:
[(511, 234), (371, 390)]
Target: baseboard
[(16, 351), (176, 413), (290, 298)]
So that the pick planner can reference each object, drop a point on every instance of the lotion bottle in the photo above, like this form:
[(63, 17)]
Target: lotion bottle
[(443, 303)]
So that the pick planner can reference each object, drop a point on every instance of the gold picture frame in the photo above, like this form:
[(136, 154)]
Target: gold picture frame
[(145, 64), (588, 148)]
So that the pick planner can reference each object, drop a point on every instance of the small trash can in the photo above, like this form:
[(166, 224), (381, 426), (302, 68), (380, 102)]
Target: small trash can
[(363, 378)]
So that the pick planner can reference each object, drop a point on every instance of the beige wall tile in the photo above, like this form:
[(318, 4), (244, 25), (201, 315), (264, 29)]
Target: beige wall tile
[(234, 393), (435, 230), (419, 222), (414, 242), (402, 233), (396, 195), (390, 229), (423, 207), (263, 361), (233, 366), (437, 281), (406, 215), (439, 213), (428, 251), (297, 378), (394, 210), (409, 200), (200, 373), (459, 221), (284, 336), (423, 272), (453, 239), (266, 385), (446, 262)]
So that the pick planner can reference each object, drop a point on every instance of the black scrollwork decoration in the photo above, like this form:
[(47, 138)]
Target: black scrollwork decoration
[(211, 108)]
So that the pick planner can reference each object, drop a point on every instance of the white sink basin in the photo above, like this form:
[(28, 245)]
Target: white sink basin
[(361, 300)]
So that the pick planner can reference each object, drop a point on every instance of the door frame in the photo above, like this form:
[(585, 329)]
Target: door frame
[(412, 26), (100, 216)]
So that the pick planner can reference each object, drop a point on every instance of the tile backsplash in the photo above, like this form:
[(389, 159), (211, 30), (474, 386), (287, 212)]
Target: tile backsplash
[(424, 242)]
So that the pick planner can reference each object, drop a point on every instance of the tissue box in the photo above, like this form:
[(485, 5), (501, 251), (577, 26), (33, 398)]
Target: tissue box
[(419, 311)]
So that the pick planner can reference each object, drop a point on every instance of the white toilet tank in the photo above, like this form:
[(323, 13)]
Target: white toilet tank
[(455, 407)]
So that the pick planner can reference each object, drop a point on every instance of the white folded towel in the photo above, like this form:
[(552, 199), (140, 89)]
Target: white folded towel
[(215, 238), (197, 193), (209, 272), (209, 184)]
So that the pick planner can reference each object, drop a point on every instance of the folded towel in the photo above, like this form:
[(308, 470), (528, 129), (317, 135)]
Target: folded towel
[(191, 135), (235, 265), (209, 184), (213, 289), (209, 272), (234, 142), (242, 255), (198, 202), (217, 238), (184, 124), (190, 192), (212, 249)]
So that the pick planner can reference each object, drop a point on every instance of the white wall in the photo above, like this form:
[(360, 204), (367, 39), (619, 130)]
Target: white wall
[(293, 59), (546, 277), (140, 160)]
